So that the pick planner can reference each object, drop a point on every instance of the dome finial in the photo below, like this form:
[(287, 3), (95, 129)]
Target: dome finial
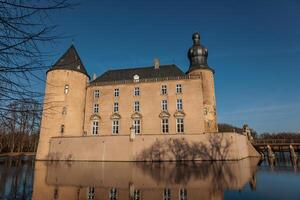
[(196, 38)]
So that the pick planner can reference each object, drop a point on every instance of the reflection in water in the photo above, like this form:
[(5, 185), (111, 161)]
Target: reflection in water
[(129, 180)]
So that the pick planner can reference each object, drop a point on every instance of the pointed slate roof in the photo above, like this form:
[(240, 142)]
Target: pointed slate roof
[(70, 60), (142, 72)]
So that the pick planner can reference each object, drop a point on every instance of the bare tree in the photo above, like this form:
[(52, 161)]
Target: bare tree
[(25, 27)]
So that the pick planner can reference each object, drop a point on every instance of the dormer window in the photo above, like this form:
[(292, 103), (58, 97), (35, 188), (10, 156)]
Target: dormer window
[(136, 78), (66, 89)]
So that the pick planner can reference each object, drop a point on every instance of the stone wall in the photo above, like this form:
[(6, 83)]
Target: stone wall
[(209, 146)]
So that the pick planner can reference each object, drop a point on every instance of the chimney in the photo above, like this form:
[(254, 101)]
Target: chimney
[(94, 76), (156, 63)]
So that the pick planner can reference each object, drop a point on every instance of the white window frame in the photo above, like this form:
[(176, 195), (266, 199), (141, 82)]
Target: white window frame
[(179, 104), (96, 108), (91, 193), (178, 88), (164, 90), (180, 125), (117, 92), (164, 105), (183, 195), (113, 193), (95, 127), (137, 126), (136, 106), (137, 91), (115, 126), (66, 90), (167, 194), (165, 125), (116, 107), (96, 94)]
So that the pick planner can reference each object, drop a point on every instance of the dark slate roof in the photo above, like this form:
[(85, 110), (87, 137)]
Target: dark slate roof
[(142, 72), (70, 61)]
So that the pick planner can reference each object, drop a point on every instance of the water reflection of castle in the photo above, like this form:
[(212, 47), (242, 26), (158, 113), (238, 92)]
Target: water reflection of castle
[(127, 180)]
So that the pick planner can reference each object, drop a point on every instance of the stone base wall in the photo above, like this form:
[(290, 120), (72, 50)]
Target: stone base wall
[(207, 146)]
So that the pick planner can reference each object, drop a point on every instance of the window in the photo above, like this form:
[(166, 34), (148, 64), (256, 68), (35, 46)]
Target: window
[(179, 104), (115, 127), (136, 91), (117, 92), (178, 88), (167, 194), (64, 111), (136, 194), (137, 126), (164, 105), (66, 89), (183, 194), (179, 125), (62, 129), (116, 107), (164, 89), (165, 125), (96, 108), (136, 106), (91, 193), (96, 94), (113, 194), (95, 128)]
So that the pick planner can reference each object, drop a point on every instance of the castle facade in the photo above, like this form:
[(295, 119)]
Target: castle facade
[(130, 104)]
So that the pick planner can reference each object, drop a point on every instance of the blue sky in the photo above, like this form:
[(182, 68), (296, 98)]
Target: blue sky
[(254, 47)]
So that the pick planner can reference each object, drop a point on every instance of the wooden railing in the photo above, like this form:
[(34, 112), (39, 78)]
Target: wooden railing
[(276, 141)]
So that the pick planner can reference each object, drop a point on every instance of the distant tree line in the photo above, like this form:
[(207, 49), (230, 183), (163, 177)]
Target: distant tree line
[(279, 135), (19, 127)]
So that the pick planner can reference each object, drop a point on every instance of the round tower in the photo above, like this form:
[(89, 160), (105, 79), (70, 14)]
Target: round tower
[(64, 101), (197, 55)]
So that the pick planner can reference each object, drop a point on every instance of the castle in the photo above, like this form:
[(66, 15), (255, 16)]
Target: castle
[(125, 114)]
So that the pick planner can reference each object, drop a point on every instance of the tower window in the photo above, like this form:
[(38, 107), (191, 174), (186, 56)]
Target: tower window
[(62, 129), (117, 92), (137, 126), (136, 106), (164, 89), (179, 125), (116, 107), (183, 194), (115, 126), (66, 89), (165, 125), (91, 193), (179, 104), (96, 94), (164, 105), (96, 108), (178, 88), (64, 111), (95, 128), (136, 91), (113, 194), (167, 194)]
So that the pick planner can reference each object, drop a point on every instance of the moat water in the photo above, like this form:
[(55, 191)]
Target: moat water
[(246, 179)]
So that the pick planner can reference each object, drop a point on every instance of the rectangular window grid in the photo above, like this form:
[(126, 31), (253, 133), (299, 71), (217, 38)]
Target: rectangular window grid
[(137, 126), (117, 92), (164, 105), (165, 125), (96, 94), (136, 106), (164, 89), (178, 88), (96, 108), (136, 91), (179, 125), (95, 127), (179, 104), (116, 107), (115, 128)]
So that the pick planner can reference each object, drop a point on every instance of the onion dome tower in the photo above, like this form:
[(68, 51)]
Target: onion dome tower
[(197, 55), (64, 101)]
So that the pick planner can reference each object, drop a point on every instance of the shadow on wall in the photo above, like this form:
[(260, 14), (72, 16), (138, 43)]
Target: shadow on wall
[(216, 148)]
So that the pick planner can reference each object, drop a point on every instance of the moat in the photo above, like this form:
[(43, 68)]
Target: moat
[(245, 179)]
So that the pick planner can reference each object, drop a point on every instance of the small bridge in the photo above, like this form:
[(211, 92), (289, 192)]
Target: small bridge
[(270, 146)]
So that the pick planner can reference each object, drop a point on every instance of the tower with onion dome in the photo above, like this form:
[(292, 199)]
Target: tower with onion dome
[(197, 55)]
